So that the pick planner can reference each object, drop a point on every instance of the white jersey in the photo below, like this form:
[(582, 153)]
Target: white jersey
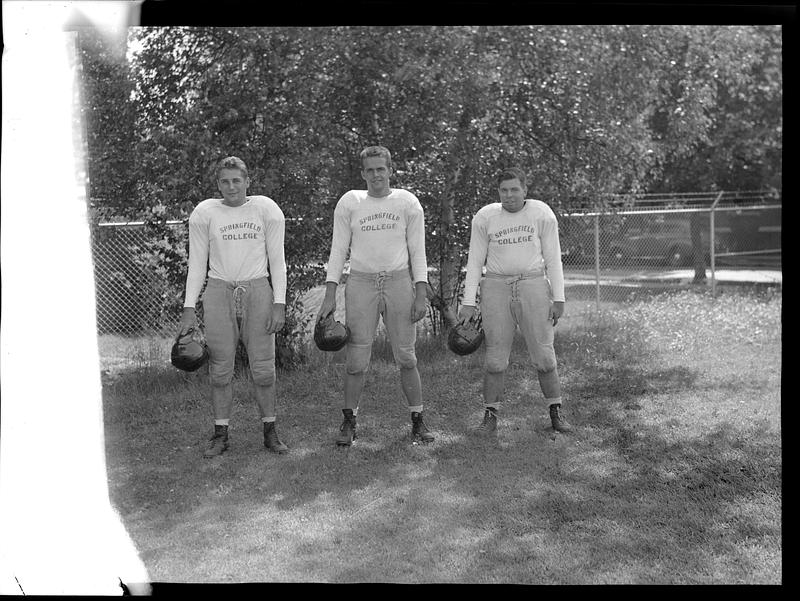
[(236, 244), (509, 243), (381, 234)]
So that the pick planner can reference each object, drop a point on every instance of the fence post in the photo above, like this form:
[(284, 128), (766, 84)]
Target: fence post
[(712, 254), (597, 258)]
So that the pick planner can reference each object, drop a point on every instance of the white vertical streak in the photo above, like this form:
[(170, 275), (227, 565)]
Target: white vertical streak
[(58, 531)]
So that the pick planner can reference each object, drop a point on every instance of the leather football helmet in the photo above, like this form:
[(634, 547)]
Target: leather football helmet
[(465, 338), (190, 352), (330, 335)]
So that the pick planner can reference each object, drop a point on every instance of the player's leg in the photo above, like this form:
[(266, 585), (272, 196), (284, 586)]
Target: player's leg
[(498, 328), (222, 403), (493, 387), (222, 334), (261, 357), (361, 316), (539, 334), (398, 297)]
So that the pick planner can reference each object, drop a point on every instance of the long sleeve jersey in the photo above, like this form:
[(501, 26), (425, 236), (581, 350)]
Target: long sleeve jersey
[(511, 243), (381, 234), (236, 244)]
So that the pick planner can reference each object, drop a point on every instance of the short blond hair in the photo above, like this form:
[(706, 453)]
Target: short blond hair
[(376, 151), (511, 173), (231, 163)]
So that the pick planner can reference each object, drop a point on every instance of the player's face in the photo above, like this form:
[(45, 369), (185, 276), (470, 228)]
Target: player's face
[(512, 194), (376, 173), (233, 184)]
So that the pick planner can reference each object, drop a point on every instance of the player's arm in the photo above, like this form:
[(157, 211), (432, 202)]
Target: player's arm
[(420, 306), (328, 305), (275, 238), (340, 247), (551, 252), (476, 259), (197, 269), (415, 241)]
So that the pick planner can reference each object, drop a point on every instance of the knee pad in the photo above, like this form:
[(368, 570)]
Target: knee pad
[(358, 358), (406, 358), (495, 364), (263, 373), (545, 362)]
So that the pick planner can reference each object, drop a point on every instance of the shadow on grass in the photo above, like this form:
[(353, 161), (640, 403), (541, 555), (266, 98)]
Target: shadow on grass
[(618, 501)]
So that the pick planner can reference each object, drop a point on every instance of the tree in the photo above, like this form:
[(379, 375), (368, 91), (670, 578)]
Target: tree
[(108, 115), (735, 75), (587, 111)]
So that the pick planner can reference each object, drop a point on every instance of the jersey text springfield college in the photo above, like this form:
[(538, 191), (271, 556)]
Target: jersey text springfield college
[(236, 244), (366, 226), (508, 243), (225, 231), (380, 234), (506, 236)]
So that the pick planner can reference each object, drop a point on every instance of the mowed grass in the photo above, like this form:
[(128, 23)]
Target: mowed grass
[(672, 477)]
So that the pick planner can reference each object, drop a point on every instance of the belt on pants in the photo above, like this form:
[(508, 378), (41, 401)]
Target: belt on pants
[(378, 277), (513, 280), (515, 277), (239, 289)]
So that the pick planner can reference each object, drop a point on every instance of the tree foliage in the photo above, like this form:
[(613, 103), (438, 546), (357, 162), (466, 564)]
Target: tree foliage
[(585, 110)]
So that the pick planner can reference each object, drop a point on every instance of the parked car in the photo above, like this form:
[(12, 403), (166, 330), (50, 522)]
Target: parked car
[(661, 241)]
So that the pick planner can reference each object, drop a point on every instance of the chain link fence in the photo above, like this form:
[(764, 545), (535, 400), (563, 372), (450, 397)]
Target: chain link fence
[(635, 246), (644, 244), (135, 293)]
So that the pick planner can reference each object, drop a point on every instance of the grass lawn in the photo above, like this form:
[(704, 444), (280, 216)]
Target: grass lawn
[(673, 476)]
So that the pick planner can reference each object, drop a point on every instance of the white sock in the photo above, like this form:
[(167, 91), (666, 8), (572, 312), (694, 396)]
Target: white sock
[(551, 402), (221, 422), (266, 420), (415, 409)]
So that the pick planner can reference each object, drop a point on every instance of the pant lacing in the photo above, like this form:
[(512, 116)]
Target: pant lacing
[(379, 279), (238, 306), (238, 298)]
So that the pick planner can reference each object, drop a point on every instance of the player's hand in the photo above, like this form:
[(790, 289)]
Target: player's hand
[(276, 319), (556, 311), (419, 308), (465, 313), (188, 321), (328, 307)]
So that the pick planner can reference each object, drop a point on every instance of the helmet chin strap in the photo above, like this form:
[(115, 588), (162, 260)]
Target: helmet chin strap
[(185, 337)]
